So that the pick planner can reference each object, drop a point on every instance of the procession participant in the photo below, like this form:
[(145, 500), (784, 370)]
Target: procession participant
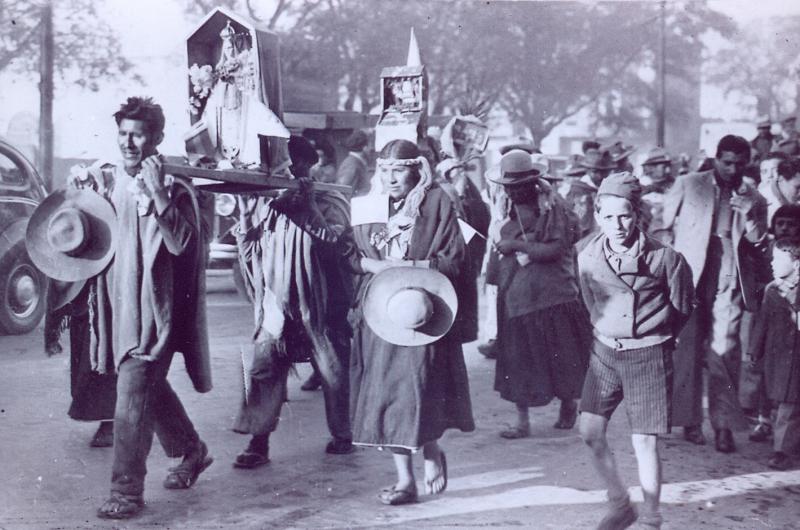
[(498, 208), (353, 169), (774, 349), (620, 154), (79, 300), (657, 169), (598, 164), (300, 305), (723, 245), (158, 307), (470, 208), (407, 387), (325, 168), (785, 224), (639, 294), (768, 168), (784, 189), (762, 143), (543, 330)]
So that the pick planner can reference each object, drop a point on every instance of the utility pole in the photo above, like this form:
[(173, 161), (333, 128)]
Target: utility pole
[(46, 95), (662, 74)]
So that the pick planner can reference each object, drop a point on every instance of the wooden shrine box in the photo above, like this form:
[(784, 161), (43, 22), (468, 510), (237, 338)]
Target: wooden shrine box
[(404, 105), (234, 90)]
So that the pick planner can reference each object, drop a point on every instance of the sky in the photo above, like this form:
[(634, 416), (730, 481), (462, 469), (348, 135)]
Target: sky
[(153, 34)]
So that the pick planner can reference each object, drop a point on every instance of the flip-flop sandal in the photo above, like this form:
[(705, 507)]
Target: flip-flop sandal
[(515, 433), (429, 483), (120, 506), (250, 460), (395, 497), (185, 474)]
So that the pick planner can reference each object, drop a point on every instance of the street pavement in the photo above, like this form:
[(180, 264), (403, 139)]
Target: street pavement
[(54, 480)]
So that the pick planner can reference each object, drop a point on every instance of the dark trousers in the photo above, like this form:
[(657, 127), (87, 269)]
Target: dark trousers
[(146, 404), (712, 337), (265, 393)]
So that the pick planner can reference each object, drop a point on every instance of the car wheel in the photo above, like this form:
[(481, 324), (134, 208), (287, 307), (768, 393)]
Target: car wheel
[(23, 293)]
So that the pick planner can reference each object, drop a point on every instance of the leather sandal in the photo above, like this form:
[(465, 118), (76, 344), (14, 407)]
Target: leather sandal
[(121, 506), (185, 474), (395, 497), (429, 483), (515, 433), (250, 460)]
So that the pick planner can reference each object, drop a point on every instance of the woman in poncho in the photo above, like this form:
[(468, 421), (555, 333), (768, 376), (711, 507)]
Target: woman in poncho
[(403, 398)]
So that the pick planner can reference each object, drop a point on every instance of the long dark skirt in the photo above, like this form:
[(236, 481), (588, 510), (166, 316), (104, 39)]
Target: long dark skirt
[(94, 395), (406, 396), (543, 354)]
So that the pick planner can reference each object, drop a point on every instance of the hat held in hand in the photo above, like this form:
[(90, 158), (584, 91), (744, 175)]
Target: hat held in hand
[(410, 306), (71, 235)]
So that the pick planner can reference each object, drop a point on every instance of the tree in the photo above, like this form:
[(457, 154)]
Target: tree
[(86, 49), (762, 63)]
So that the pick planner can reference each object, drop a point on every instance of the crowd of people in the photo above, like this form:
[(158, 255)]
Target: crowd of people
[(607, 289)]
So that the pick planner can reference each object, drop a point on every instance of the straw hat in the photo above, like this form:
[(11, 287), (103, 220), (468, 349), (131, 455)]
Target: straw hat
[(410, 306), (71, 235)]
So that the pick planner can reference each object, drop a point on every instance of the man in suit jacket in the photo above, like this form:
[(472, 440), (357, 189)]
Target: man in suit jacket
[(719, 224), (353, 169)]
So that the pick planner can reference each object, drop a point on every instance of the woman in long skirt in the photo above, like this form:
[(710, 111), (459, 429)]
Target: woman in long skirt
[(403, 398), (544, 334)]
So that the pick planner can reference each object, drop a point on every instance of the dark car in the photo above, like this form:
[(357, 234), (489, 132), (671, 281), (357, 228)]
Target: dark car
[(22, 286)]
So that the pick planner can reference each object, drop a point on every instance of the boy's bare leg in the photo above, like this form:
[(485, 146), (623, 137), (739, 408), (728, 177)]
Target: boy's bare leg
[(646, 448)]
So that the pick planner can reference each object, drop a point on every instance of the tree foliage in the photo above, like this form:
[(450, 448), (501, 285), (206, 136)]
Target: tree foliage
[(542, 61), (86, 48)]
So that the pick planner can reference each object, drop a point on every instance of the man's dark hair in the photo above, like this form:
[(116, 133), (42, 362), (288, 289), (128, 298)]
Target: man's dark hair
[(790, 245), (734, 144), (785, 211), (142, 109), (788, 168)]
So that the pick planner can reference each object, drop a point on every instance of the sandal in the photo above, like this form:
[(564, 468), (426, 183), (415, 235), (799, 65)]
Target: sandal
[(121, 506), (250, 460), (515, 433), (395, 497), (185, 474), (429, 489)]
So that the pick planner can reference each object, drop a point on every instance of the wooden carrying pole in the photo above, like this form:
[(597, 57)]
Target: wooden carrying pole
[(244, 180)]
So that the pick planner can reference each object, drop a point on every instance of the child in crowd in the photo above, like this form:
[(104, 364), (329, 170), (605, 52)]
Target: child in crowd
[(774, 348), (639, 294), (785, 223)]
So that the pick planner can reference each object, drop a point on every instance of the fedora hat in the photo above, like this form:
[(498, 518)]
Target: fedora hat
[(657, 155), (71, 235), (598, 159), (526, 146), (619, 151), (517, 167), (410, 306)]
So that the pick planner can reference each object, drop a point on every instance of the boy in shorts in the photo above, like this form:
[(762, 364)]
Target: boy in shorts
[(639, 294)]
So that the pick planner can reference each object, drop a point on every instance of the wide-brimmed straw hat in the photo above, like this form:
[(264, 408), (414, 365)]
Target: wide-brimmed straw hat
[(71, 235), (517, 167), (410, 306)]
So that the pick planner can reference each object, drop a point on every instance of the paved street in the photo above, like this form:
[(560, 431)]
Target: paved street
[(54, 480)]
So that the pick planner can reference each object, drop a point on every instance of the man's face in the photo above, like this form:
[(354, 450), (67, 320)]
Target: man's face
[(790, 188), (617, 219), (657, 172), (768, 169), (786, 227), (783, 264), (730, 166), (135, 142), (598, 175), (398, 181)]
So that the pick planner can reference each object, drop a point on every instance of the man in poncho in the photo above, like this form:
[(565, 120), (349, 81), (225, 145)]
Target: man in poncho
[(291, 251)]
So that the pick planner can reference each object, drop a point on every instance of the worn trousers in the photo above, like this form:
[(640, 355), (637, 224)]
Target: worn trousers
[(711, 338), (146, 404), (787, 428), (263, 396)]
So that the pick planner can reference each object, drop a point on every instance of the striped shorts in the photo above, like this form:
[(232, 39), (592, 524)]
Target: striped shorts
[(642, 376)]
